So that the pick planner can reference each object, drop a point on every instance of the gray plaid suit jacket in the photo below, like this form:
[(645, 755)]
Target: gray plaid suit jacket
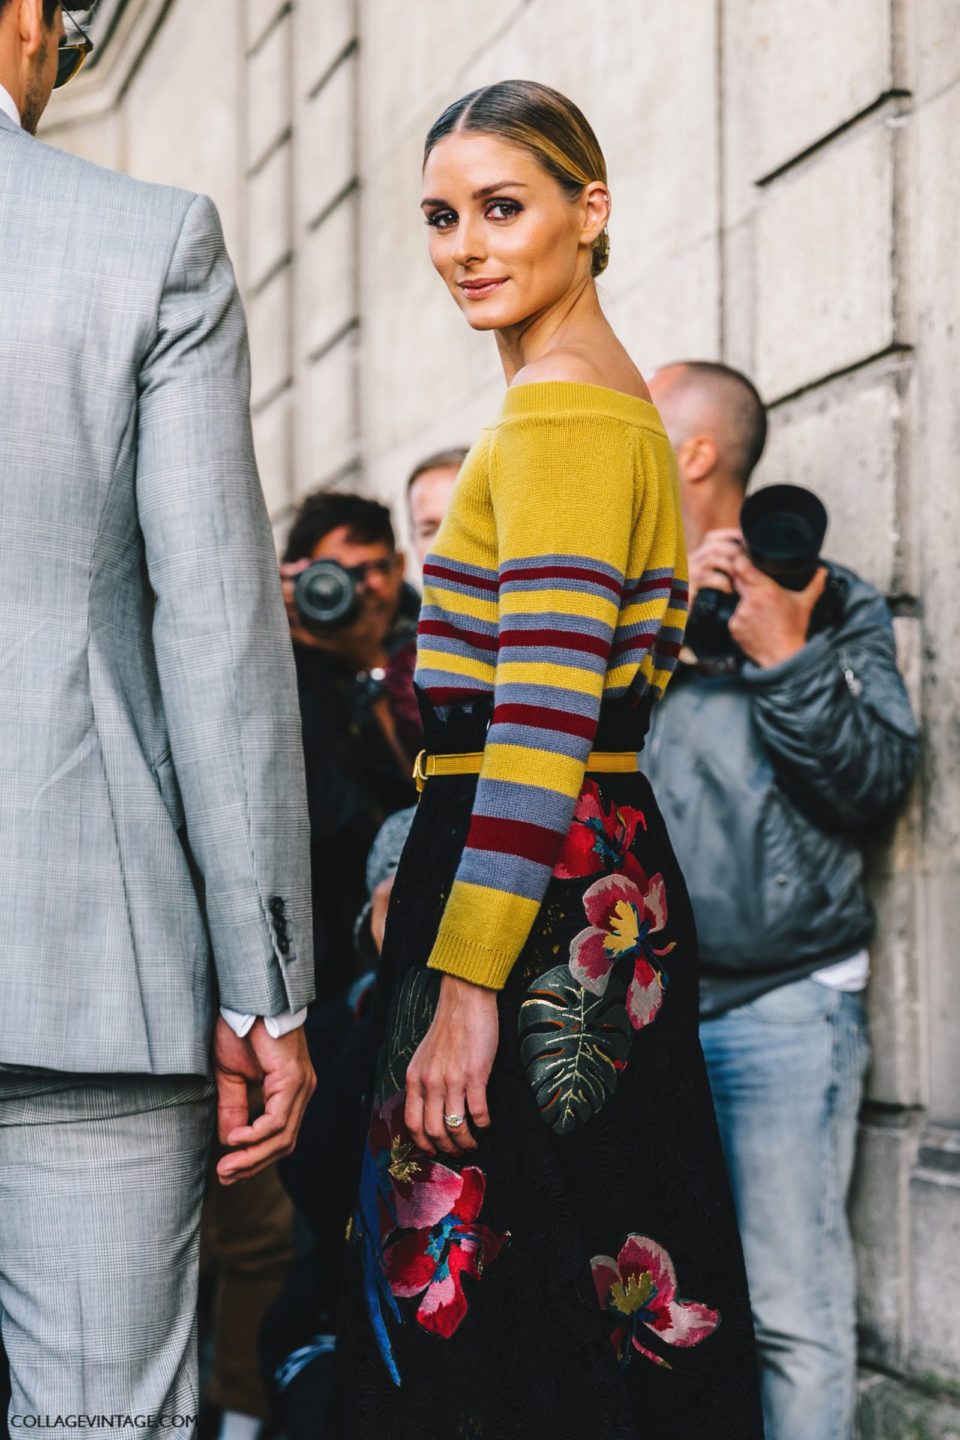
[(150, 749)]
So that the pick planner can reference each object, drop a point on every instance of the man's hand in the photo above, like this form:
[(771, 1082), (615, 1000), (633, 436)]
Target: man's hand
[(711, 564), (770, 624), (283, 1069)]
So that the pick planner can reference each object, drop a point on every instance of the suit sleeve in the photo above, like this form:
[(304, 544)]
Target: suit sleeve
[(219, 631)]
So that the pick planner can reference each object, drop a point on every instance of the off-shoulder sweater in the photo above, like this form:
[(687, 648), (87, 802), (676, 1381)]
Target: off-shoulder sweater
[(558, 579)]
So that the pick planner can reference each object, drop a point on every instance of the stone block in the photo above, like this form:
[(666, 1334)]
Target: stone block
[(260, 16), (942, 897), (894, 997), (932, 38), (269, 92), (795, 73), (877, 1211), (326, 149), (841, 442), (323, 29), (934, 1316), (269, 215), (436, 40), (326, 268), (673, 311), (180, 111), (329, 415), (892, 1410), (825, 264), (269, 314), (272, 438)]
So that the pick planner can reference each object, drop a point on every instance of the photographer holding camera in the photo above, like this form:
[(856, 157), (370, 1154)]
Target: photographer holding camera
[(351, 619), (785, 735)]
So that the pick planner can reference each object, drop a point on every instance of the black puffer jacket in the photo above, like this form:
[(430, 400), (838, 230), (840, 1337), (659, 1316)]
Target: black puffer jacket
[(769, 780)]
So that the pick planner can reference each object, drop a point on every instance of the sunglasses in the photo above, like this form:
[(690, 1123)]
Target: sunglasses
[(71, 55)]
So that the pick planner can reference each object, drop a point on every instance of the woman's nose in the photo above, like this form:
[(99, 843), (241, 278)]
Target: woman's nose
[(468, 241)]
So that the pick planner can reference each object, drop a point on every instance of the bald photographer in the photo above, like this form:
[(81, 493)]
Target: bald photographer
[(786, 735)]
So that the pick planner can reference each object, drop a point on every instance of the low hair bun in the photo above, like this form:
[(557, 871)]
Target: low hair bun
[(601, 253)]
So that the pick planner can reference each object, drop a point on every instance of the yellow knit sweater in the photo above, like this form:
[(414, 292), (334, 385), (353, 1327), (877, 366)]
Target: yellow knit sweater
[(558, 579)]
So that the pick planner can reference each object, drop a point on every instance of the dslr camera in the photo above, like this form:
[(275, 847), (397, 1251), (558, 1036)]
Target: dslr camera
[(328, 594), (783, 530)]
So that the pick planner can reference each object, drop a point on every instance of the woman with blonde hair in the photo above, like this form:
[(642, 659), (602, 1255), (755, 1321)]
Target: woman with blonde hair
[(544, 1243)]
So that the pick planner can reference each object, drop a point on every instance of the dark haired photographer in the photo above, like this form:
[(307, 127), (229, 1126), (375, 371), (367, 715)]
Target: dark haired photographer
[(785, 735), (352, 617)]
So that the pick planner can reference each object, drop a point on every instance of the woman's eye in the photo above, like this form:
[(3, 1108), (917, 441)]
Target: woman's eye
[(442, 219), (503, 210)]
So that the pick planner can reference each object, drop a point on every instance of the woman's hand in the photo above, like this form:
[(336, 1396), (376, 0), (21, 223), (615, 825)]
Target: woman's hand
[(448, 1073)]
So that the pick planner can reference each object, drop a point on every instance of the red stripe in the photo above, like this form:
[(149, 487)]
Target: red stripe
[(555, 639), (473, 638), (454, 694), (539, 718), (634, 642), (514, 837), (457, 576), (647, 587), (670, 648), (561, 572)]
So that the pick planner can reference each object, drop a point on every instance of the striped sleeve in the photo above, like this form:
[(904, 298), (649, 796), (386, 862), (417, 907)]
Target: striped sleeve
[(563, 491)]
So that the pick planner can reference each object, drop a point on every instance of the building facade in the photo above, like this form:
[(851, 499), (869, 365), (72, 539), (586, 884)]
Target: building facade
[(786, 198)]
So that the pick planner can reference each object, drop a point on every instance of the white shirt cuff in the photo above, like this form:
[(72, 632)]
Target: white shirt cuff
[(276, 1025)]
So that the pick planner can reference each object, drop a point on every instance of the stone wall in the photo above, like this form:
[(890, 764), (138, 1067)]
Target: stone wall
[(787, 198)]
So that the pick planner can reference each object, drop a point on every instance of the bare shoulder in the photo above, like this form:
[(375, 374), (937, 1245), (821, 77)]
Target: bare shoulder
[(576, 367)]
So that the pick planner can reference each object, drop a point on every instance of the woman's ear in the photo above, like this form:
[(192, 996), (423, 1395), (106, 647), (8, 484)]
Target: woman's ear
[(597, 205)]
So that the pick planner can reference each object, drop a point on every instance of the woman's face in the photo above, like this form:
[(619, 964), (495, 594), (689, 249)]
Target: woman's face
[(504, 235)]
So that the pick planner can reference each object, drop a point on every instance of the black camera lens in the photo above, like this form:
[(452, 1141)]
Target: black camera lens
[(326, 595), (783, 529)]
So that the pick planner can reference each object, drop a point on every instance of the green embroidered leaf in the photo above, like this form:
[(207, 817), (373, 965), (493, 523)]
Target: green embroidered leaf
[(573, 1045), (412, 1014)]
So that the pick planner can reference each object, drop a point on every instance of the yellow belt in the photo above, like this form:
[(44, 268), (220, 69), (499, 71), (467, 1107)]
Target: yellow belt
[(425, 767)]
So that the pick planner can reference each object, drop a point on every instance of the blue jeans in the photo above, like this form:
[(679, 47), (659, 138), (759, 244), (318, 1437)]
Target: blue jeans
[(787, 1076)]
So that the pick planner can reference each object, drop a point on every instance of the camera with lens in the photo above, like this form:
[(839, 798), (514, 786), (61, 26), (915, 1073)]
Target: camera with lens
[(783, 529), (328, 594)]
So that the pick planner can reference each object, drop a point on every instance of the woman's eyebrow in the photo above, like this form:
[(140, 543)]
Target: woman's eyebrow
[(482, 194)]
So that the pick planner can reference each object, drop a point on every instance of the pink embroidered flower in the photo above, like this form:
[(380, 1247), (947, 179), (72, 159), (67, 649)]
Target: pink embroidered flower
[(599, 840), (639, 1288), (432, 1262), (415, 1191), (623, 916)]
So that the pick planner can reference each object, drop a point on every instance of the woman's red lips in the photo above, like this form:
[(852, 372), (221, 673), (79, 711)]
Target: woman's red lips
[(481, 286)]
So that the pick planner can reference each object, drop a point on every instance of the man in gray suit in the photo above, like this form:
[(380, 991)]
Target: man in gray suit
[(153, 833)]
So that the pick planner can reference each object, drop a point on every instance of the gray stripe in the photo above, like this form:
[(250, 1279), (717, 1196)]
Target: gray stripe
[(557, 620), (507, 800), (551, 697), (579, 562), (505, 872), (552, 655), (556, 741)]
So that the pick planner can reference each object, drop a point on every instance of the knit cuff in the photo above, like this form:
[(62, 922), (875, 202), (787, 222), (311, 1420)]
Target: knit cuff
[(469, 960)]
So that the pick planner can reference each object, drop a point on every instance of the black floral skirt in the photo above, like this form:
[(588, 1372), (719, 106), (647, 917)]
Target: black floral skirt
[(580, 1275)]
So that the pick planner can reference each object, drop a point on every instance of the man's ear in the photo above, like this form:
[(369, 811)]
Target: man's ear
[(402, 555), (697, 458), (33, 32)]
